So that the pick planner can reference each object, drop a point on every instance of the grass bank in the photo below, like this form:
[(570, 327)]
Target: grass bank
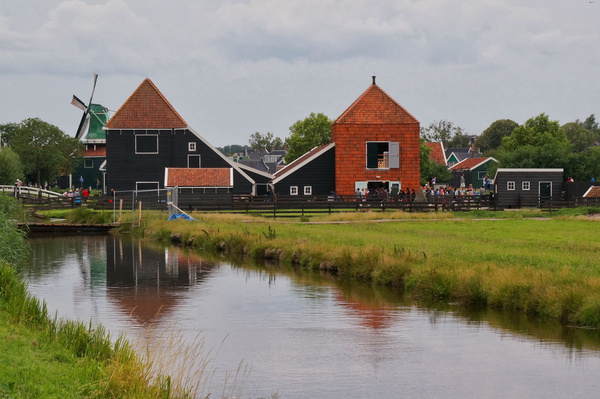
[(47, 357), (521, 261)]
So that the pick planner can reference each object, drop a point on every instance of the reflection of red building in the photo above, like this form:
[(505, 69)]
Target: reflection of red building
[(146, 282), (373, 315)]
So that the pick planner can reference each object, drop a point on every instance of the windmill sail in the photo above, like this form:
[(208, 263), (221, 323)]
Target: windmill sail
[(85, 108)]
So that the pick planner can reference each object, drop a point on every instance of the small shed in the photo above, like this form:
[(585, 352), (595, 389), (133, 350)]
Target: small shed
[(516, 188), (474, 170)]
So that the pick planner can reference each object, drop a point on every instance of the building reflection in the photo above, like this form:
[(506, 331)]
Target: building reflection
[(148, 281)]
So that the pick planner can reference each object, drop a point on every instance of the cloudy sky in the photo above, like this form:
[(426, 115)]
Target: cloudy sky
[(232, 68)]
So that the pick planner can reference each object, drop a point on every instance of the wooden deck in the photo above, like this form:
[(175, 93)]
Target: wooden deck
[(63, 228)]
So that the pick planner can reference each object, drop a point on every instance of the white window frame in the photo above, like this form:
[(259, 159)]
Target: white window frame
[(293, 190), (191, 146), (191, 156), (511, 186), (307, 190), (146, 135), (389, 159), (481, 175), (526, 186)]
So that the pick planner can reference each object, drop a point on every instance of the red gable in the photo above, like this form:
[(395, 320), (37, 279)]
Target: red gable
[(375, 106), (199, 177), (437, 153), (146, 108)]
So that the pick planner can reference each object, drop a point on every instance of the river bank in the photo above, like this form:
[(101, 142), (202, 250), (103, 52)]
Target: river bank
[(542, 265), (43, 356)]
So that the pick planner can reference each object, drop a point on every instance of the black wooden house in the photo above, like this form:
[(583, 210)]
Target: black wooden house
[(146, 136), (516, 188), (311, 174)]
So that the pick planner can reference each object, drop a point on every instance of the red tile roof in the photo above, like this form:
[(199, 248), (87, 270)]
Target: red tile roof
[(593, 192), (146, 108), (199, 177), (471, 163), (375, 106), (437, 152)]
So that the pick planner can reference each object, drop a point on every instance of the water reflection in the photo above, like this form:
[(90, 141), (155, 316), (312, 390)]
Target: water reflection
[(146, 280), (306, 335)]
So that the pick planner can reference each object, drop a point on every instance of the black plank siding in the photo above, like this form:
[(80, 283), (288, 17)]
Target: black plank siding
[(125, 167), (525, 198), (318, 173)]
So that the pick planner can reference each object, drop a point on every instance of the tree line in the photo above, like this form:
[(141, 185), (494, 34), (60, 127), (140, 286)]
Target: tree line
[(37, 152)]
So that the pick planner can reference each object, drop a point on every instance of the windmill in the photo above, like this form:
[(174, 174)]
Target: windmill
[(99, 113)]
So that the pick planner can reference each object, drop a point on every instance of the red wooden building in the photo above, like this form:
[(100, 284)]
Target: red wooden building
[(376, 145)]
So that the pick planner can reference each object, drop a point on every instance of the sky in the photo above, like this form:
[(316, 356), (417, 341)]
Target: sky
[(232, 68)]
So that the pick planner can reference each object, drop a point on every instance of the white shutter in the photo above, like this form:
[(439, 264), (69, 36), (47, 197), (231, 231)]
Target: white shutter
[(394, 150)]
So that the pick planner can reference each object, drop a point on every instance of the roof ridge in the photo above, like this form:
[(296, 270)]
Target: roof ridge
[(137, 119), (360, 99)]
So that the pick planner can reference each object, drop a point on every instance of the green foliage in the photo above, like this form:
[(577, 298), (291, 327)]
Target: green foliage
[(491, 138), (13, 246), (431, 168), (10, 166), (591, 125), (443, 131), (313, 131), (45, 151), (539, 143), (84, 215), (266, 142), (579, 137)]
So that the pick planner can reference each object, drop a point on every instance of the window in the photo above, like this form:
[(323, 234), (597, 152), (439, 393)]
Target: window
[(526, 186), (293, 190), (481, 175), (193, 161), (191, 146), (510, 185), (383, 155), (146, 144), (88, 163), (307, 190)]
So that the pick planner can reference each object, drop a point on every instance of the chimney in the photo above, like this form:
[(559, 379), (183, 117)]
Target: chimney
[(373, 79)]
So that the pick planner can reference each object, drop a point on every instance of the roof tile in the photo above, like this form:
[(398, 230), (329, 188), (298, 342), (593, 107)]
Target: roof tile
[(199, 177), (146, 108), (375, 106)]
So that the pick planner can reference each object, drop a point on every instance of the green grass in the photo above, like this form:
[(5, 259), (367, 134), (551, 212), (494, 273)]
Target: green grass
[(520, 261)]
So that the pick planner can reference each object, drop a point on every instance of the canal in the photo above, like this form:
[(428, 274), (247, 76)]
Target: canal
[(304, 336)]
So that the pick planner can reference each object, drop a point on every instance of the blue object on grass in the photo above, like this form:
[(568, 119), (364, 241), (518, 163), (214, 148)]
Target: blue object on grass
[(181, 216)]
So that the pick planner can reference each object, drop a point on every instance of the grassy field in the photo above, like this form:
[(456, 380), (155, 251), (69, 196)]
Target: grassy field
[(526, 261)]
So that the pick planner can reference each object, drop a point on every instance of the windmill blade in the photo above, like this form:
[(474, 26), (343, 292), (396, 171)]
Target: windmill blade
[(93, 89), (78, 103), (82, 125)]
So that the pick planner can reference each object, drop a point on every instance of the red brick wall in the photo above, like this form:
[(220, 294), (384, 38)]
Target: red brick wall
[(351, 154)]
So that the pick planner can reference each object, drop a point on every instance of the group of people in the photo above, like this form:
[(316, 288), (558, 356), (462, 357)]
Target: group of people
[(75, 192)]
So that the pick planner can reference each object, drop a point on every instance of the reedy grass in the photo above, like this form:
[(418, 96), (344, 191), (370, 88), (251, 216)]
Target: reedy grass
[(547, 268)]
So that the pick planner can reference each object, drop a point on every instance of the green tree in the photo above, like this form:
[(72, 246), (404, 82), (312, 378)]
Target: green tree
[(579, 137), (443, 131), (431, 168), (45, 151), (266, 142), (538, 143), (313, 131), (7, 132), (10, 166), (591, 125), (491, 138)]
